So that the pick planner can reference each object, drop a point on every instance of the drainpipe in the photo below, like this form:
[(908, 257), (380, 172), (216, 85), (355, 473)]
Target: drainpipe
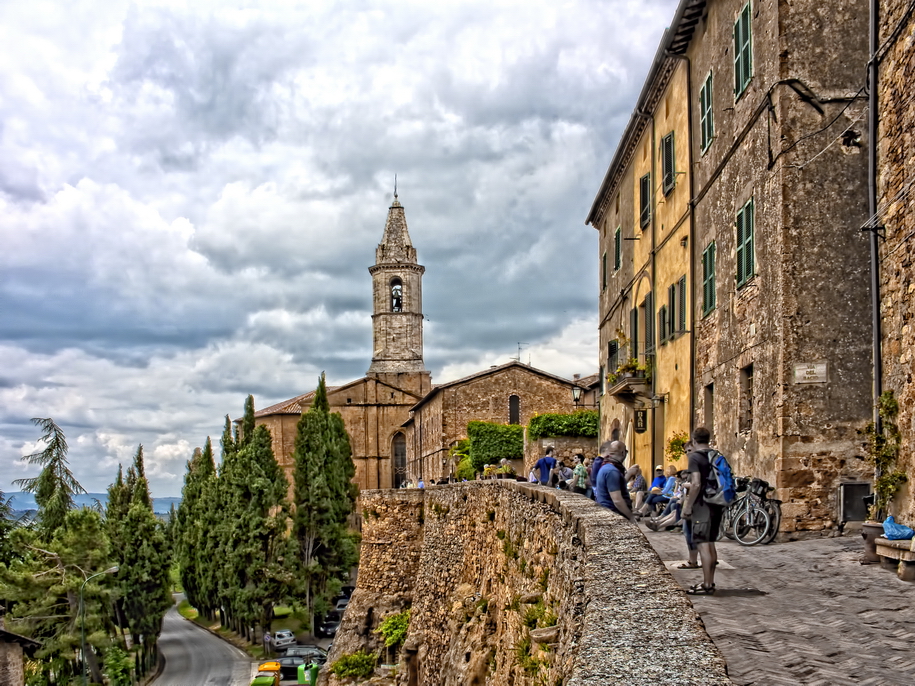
[(872, 205), (651, 227)]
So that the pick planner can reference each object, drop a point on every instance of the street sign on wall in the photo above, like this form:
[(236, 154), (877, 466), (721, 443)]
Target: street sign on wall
[(810, 372), (641, 421)]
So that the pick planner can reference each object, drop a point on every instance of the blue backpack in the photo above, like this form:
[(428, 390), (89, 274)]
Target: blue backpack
[(720, 488)]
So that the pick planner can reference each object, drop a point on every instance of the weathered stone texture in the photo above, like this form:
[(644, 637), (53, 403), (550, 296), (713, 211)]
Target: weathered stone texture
[(511, 583), (11, 666), (896, 192)]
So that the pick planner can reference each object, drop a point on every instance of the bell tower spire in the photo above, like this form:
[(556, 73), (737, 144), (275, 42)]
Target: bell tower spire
[(397, 286)]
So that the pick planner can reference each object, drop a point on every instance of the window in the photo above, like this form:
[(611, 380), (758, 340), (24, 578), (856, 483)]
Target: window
[(634, 333), (745, 264), (613, 356), (603, 271), (681, 305), (645, 200), (706, 119), (663, 331), (603, 380), (514, 409), (668, 164), (745, 422), (708, 279), (671, 310), (396, 295), (648, 317), (743, 52), (617, 249), (708, 404), (399, 451)]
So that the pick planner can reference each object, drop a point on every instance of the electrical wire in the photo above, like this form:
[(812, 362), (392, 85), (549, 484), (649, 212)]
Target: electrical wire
[(833, 142)]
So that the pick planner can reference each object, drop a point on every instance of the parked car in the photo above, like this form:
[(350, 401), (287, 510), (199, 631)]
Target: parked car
[(348, 591), (289, 666), (327, 627), (264, 678), (341, 604), (283, 638), (304, 650)]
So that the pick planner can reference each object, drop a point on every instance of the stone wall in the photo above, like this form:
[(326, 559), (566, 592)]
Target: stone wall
[(511, 583), (11, 667), (896, 160)]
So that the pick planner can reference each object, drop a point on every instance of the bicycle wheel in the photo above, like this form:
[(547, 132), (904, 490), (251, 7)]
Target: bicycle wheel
[(751, 526), (727, 519), (774, 510)]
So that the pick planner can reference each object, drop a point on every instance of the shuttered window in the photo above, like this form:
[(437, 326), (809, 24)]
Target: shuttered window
[(634, 332), (603, 271), (671, 310), (663, 333), (617, 249), (613, 355), (745, 263), (648, 313), (706, 120), (668, 163), (743, 51), (708, 279), (681, 305), (645, 200)]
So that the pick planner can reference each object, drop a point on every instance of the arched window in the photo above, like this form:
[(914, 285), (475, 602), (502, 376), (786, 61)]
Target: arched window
[(399, 451), (514, 409), (396, 295)]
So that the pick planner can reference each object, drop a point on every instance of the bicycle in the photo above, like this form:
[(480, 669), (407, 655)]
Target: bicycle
[(752, 524)]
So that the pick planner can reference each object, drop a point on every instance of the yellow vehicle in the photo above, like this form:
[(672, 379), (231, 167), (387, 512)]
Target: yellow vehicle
[(272, 666)]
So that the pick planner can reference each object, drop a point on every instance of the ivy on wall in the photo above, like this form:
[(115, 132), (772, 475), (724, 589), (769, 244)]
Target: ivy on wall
[(581, 423), (490, 442)]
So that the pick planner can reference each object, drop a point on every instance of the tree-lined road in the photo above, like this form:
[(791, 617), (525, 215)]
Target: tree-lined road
[(195, 656)]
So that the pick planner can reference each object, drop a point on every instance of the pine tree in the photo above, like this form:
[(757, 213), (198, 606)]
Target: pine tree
[(55, 486), (189, 528), (324, 549), (247, 423)]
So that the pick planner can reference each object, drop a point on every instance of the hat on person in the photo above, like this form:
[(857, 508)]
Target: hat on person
[(659, 468)]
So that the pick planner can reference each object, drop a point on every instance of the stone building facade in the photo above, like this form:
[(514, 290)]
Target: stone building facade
[(374, 407), (511, 393), (12, 649), (895, 195), (777, 293)]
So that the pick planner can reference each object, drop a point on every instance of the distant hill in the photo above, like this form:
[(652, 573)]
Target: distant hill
[(23, 502)]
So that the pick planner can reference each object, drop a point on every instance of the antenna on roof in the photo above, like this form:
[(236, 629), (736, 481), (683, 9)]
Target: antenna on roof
[(518, 359)]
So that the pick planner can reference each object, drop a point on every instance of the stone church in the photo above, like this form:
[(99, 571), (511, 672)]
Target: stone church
[(377, 409)]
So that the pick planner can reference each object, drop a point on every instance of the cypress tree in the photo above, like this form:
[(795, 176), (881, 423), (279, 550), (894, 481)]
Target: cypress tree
[(324, 496), (55, 486)]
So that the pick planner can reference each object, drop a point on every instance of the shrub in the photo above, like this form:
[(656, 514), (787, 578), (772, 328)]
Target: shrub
[(359, 664), (581, 423), (490, 442), (394, 628)]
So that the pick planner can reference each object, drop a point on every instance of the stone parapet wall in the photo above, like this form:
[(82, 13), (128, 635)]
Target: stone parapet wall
[(512, 583)]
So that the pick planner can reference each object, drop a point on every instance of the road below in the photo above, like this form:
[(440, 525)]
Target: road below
[(195, 656)]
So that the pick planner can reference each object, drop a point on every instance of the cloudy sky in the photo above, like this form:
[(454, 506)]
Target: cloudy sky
[(191, 195)]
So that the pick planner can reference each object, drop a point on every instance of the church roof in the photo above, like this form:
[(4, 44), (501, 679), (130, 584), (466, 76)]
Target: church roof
[(395, 245), (293, 405), (494, 370)]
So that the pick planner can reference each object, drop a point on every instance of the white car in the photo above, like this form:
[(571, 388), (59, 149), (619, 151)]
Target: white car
[(283, 638)]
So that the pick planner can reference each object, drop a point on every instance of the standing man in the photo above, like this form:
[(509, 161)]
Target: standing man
[(702, 518), (545, 465), (610, 487)]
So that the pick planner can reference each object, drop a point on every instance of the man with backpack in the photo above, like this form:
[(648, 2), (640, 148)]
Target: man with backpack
[(701, 518)]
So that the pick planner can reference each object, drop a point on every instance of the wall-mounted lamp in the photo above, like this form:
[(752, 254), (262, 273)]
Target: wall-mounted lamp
[(576, 394), (684, 241)]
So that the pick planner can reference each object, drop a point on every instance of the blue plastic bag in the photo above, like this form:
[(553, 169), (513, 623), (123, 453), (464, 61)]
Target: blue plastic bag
[(896, 532)]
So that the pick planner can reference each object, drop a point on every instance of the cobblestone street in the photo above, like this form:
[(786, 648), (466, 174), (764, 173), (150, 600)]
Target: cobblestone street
[(804, 612)]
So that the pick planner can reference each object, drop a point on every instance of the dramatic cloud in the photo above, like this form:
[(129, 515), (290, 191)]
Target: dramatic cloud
[(191, 195)]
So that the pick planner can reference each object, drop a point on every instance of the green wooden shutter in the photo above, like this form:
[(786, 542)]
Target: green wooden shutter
[(740, 249), (671, 309), (649, 323), (668, 164), (617, 249), (662, 324), (708, 279), (634, 332), (681, 310), (645, 200), (603, 272), (748, 221), (613, 350), (743, 50), (706, 117)]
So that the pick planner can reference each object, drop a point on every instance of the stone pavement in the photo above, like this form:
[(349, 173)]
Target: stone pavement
[(804, 612)]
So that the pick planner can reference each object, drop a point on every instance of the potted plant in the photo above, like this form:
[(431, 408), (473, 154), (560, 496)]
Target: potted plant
[(506, 471), (629, 368), (676, 446), (882, 451)]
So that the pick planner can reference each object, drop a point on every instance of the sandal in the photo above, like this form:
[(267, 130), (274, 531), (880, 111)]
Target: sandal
[(701, 589), (687, 565)]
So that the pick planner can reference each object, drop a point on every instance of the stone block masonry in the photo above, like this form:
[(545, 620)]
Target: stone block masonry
[(512, 583)]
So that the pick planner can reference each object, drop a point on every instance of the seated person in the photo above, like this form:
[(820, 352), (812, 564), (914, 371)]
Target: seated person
[(637, 486), (660, 496)]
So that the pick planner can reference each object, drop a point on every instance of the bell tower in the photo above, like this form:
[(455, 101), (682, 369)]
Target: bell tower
[(397, 287)]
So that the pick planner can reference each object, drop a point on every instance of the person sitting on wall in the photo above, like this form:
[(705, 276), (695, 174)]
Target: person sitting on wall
[(659, 479), (562, 475), (545, 465), (670, 517), (610, 488), (637, 486)]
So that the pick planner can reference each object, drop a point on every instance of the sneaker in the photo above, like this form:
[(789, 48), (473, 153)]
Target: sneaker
[(652, 524)]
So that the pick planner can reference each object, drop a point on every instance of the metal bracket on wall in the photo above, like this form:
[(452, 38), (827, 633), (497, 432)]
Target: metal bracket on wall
[(879, 230)]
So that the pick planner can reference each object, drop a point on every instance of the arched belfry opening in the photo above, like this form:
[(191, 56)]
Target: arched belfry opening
[(396, 295), (399, 452), (514, 409)]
